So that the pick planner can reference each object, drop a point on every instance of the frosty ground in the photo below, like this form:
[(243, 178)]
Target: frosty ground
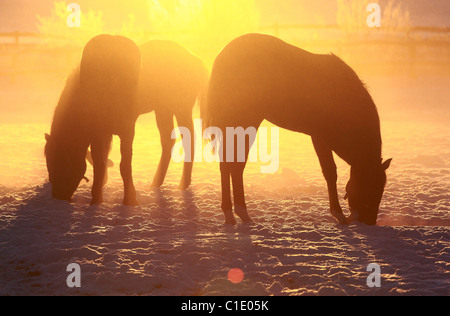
[(175, 243)]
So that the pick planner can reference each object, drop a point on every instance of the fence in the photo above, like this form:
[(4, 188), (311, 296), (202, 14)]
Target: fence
[(413, 47)]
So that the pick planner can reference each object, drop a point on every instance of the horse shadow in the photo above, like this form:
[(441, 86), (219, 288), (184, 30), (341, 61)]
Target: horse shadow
[(408, 264), (32, 243), (170, 204), (45, 236)]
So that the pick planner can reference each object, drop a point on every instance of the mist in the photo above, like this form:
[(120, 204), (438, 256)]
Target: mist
[(294, 247), (410, 51)]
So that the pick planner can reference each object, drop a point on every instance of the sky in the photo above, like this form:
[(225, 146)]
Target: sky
[(20, 15)]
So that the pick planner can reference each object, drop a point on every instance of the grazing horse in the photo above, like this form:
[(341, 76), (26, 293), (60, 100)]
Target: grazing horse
[(172, 80), (259, 77), (97, 102)]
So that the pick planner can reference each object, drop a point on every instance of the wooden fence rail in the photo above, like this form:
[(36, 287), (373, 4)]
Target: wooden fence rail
[(412, 40), (274, 29)]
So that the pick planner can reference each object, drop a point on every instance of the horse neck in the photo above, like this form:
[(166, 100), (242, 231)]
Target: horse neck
[(70, 138), (367, 156), (366, 142), (68, 123)]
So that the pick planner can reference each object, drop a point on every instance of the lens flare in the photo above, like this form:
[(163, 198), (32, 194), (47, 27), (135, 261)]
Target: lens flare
[(235, 276)]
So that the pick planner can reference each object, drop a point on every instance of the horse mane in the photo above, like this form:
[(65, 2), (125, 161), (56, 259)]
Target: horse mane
[(350, 75), (66, 99), (339, 62), (63, 118)]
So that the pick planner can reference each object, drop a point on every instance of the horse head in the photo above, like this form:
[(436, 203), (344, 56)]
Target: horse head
[(66, 165), (365, 190)]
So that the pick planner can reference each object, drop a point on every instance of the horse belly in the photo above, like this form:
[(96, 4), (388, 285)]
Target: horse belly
[(291, 121)]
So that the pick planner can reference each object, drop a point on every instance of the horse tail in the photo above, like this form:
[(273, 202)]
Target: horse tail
[(89, 159), (212, 107), (203, 92), (210, 114)]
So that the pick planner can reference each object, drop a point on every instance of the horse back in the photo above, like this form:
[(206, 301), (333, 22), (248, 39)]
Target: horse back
[(172, 76), (110, 55), (109, 75)]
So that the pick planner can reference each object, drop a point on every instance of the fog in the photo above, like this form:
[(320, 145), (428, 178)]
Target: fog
[(399, 60), (404, 63), (175, 242)]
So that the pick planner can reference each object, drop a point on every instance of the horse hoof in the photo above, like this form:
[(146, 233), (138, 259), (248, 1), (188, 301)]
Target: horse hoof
[(342, 220), (96, 202), (340, 217), (243, 214), (229, 218), (156, 186), (184, 187), (131, 203)]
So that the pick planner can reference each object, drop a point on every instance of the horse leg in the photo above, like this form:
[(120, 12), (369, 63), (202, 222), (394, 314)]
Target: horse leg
[(237, 176), (227, 206), (100, 149), (185, 120), (225, 173), (164, 120), (126, 151), (99, 173), (329, 170)]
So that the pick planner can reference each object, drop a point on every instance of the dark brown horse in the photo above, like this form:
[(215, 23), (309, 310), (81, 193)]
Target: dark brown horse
[(172, 80), (97, 102), (259, 77)]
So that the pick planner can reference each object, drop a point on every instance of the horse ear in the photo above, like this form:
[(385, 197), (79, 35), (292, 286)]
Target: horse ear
[(110, 163), (47, 137), (387, 164)]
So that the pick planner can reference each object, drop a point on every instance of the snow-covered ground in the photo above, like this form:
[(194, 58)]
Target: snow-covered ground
[(175, 243)]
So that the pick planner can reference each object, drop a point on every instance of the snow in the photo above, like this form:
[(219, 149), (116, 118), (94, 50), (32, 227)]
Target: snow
[(175, 243)]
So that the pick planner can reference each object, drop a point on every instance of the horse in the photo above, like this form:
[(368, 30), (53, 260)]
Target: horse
[(98, 101), (259, 77), (172, 80)]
